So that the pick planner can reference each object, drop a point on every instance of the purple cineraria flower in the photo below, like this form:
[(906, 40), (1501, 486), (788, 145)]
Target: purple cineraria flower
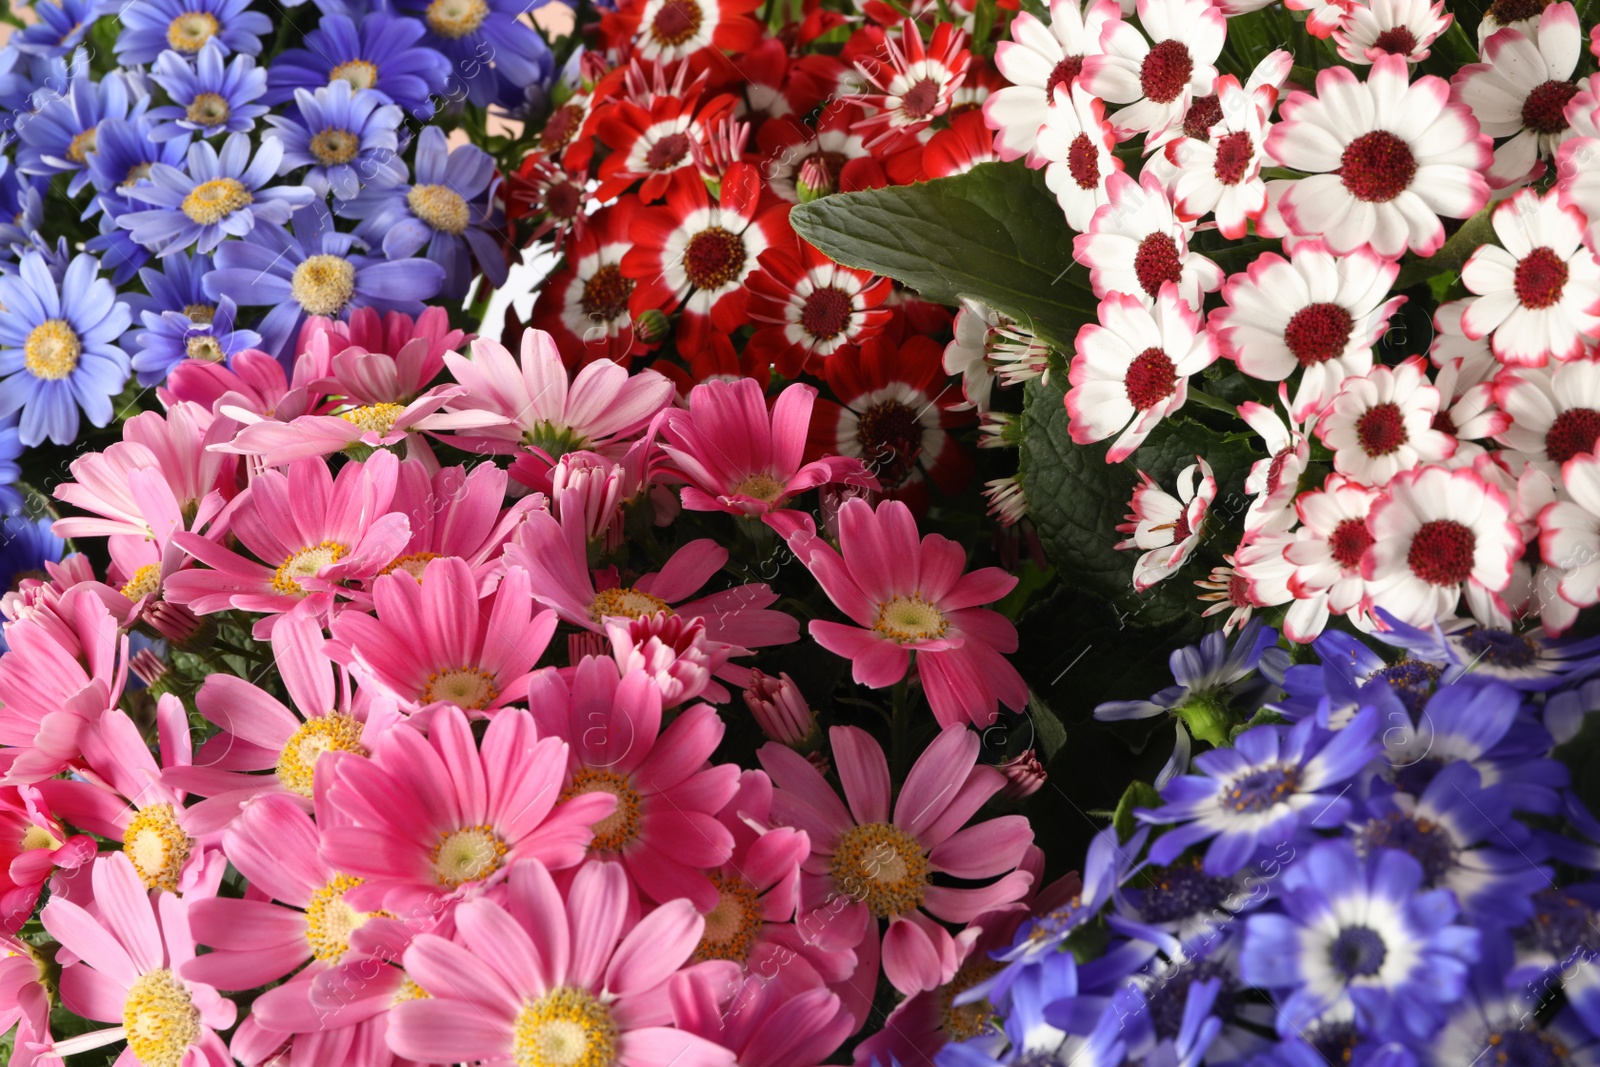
[(10, 471), (58, 348), (348, 137), (123, 156), (60, 136), (208, 97), (315, 271), (150, 27), (484, 40), (61, 26), (223, 194), (21, 207), (449, 211), (384, 55), (170, 337)]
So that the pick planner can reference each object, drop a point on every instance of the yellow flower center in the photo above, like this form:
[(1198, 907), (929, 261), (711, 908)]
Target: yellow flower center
[(204, 346), (966, 1021), (627, 602), (192, 29), (207, 109), (212, 201), (617, 830), (413, 564), (732, 925), (157, 846), (456, 18), (330, 921), (467, 855), (358, 72), (324, 284), (200, 314), (762, 487), (910, 618), (136, 173), (38, 837), (305, 564), (439, 206), (145, 581), (410, 990), (467, 688), (51, 351), (566, 1027), (82, 145), (883, 866), (374, 418), (333, 732), (161, 1019), (335, 146)]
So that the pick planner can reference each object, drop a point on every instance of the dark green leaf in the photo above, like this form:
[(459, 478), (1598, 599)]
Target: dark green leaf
[(1138, 795)]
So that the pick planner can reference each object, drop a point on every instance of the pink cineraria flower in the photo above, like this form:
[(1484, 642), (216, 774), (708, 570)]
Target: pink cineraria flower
[(1382, 422), (1538, 291), (761, 1022), (381, 425), (442, 817), (903, 596), (1388, 157), (248, 388), (388, 359), (24, 1005), (308, 531), (1074, 146), (33, 844), (1450, 342), (1138, 244), (780, 709), (542, 969), (1405, 28), (743, 460), (456, 511), (1329, 545), (664, 827), (1219, 173), (1132, 369), (674, 652), (1315, 311), (129, 954), (1156, 78), (1467, 410), (1037, 59), (1274, 481), (1166, 528), (537, 407), (436, 641), (1555, 412), (867, 864)]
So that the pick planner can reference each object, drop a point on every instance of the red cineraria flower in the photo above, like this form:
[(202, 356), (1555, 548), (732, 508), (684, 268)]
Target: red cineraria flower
[(895, 406), (958, 149), (814, 305), (584, 305), (664, 31), (653, 143), (543, 187), (831, 145), (914, 85), (713, 358)]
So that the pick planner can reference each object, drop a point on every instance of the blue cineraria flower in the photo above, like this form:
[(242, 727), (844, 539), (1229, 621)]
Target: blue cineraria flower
[(26, 545), (58, 351), (1040, 1007), (21, 209), (1349, 677), (10, 472), (223, 194), (1180, 904), (119, 253), (1528, 660), (484, 40), (1498, 1022), (1563, 928), (170, 337), (1261, 791), (150, 27), (208, 97), (314, 271), (1175, 1021), (1359, 938), (61, 26), (1339, 1043), (59, 137), (384, 55), (1109, 860), (348, 137), (449, 211), (123, 156)]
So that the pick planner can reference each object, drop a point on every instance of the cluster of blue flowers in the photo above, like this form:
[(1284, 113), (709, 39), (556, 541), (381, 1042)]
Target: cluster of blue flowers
[(1388, 869)]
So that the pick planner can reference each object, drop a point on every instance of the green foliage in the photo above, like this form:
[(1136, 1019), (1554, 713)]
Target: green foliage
[(1137, 795)]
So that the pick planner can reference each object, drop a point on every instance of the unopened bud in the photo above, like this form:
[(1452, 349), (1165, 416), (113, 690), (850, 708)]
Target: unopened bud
[(780, 709), (1024, 775), (651, 327), (814, 181), (147, 666), (179, 625), (585, 643), (591, 68)]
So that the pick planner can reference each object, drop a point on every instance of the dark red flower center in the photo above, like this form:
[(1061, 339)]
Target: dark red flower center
[(920, 100), (563, 200), (1540, 277), (1234, 151), (1166, 71), (1065, 73), (1180, 529), (1575, 430), (1157, 262), (561, 127), (1396, 41), (1151, 379), (1506, 12), (605, 294), (1318, 332), (1381, 429), (1204, 113), (667, 152), (1349, 542), (1377, 167), (1083, 162), (1443, 422), (1441, 552), (890, 436), (1545, 109), (826, 313), (676, 22), (713, 258), (1239, 591)]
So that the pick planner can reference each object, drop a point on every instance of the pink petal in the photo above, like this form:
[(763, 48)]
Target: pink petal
[(864, 773), (654, 949)]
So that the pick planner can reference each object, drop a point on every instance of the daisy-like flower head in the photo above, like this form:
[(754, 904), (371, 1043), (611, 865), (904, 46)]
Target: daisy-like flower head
[(209, 96), (1039, 57), (382, 359), (830, 144), (60, 26), (348, 137), (1315, 311), (1074, 146), (1137, 243), (1554, 413), (1538, 291), (33, 845), (1164, 527), (666, 31), (1220, 172), (584, 305), (653, 142), (58, 133), (1382, 422), (1131, 370), (550, 977), (1576, 174), (906, 596), (870, 862), (1569, 531), (811, 307), (1327, 552), (910, 85), (1274, 481), (1404, 28), (485, 43), (1388, 157), (1437, 533), (1156, 77), (150, 27), (123, 154), (1360, 938), (382, 54)]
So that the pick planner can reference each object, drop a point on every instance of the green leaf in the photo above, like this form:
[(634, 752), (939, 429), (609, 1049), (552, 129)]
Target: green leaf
[(994, 234), (1476, 231), (1138, 795), (1048, 732)]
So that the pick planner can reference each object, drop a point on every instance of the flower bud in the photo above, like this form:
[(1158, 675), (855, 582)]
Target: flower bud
[(1024, 775), (780, 709), (651, 327), (813, 182)]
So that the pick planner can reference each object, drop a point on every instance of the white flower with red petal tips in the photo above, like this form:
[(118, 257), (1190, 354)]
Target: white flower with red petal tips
[(1467, 410), (1436, 532), (1075, 145), (1156, 80), (1273, 481), (1314, 311), (1578, 158), (1555, 414), (1322, 15), (1450, 342), (1569, 532), (1132, 369), (1381, 423), (1137, 244), (1403, 28), (1167, 528), (1221, 173), (913, 84), (1036, 60), (1540, 293), (1521, 91), (1387, 156), (1326, 554)]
